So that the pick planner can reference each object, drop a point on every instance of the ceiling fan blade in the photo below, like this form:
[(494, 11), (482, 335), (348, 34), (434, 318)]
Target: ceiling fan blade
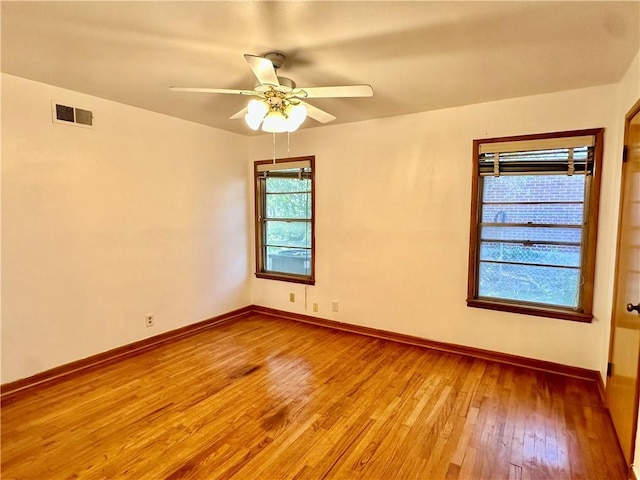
[(317, 114), (238, 115), (213, 90), (263, 70), (341, 91)]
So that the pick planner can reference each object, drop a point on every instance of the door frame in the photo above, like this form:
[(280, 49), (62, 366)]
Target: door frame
[(634, 427)]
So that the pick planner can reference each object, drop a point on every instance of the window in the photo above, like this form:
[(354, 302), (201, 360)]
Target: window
[(285, 247), (534, 220)]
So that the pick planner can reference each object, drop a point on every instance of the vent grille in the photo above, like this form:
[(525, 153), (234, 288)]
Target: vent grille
[(64, 113), (67, 114), (84, 117)]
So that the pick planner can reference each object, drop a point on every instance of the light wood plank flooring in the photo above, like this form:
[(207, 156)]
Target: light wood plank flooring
[(264, 398)]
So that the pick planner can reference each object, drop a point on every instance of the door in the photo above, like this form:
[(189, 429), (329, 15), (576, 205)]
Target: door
[(625, 343)]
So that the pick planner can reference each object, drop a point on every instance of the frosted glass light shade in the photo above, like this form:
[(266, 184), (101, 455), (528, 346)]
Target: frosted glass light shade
[(274, 123), (297, 115), (253, 122), (256, 110)]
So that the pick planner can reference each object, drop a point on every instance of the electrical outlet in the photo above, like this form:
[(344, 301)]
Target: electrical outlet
[(315, 307), (334, 306), (292, 297), (149, 320)]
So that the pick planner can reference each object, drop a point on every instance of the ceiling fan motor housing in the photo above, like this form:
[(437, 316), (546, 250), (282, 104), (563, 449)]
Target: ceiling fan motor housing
[(276, 58)]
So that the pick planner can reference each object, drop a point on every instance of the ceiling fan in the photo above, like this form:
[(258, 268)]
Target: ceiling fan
[(281, 107)]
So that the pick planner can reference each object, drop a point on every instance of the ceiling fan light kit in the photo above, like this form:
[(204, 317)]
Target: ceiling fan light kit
[(275, 113), (280, 107)]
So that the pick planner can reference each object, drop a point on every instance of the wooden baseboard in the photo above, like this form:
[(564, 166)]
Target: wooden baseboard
[(120, 353), (80, 366), (532, 363)]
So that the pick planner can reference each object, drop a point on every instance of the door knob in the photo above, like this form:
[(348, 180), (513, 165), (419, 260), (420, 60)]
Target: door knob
[(631, 307)]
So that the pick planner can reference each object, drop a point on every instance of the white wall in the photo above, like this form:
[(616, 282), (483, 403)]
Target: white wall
[(142, 214), (392, 224)]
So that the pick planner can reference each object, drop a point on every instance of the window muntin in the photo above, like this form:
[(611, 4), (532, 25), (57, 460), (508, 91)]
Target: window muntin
[(284, 219), (534, 220)]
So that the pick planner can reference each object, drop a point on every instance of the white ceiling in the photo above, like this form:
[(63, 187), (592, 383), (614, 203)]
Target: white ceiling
[(417, 55)]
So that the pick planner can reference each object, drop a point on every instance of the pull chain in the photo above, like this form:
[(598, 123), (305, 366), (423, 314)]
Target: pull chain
[(274, 147)]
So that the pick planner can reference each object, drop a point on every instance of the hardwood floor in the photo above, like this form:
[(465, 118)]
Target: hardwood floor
[(264, 398)]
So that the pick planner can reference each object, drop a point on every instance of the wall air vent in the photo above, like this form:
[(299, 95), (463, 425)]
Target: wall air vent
[(71, 115)]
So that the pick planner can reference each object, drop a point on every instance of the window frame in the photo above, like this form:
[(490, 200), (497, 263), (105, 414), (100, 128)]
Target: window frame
[(260, 223), (589, 236)]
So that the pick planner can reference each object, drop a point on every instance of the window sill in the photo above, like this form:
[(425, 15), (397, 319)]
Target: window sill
[(530, 310), (286, 278)]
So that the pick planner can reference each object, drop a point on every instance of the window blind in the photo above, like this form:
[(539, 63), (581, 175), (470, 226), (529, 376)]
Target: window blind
[(561, 155), (300, 169)]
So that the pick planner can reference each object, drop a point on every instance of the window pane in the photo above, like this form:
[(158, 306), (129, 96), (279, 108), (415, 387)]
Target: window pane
[(289, 260), (288, 234), (531, 234), (288, 185), (548, 285), (559, 213), (533, 188), (289, 205), (568, 256)]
